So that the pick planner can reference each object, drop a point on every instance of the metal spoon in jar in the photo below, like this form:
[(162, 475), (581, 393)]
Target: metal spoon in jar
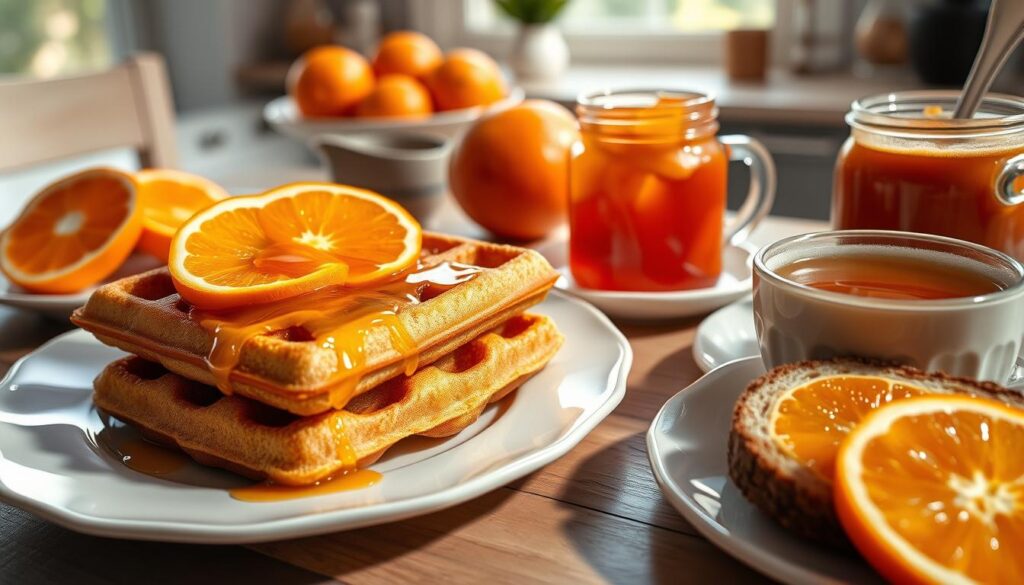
[(1004, 31)]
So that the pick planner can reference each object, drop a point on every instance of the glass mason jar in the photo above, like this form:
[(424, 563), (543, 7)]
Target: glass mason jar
[(647, 191), (907, 166)]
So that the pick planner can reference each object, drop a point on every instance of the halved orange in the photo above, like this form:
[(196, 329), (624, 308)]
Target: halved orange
[(73, 233), (168, 199), (811, 420), (931, 490), (288, 241)]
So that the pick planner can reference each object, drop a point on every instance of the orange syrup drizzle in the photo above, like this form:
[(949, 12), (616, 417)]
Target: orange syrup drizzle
[(295, 260), (337, 318)]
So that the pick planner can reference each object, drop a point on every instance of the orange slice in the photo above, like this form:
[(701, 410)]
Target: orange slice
[(931, 490), (168, 199), (73, 233), (810, 421), (290, 240)]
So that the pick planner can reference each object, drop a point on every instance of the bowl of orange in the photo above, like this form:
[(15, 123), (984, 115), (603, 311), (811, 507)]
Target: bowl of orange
[(409, 85)]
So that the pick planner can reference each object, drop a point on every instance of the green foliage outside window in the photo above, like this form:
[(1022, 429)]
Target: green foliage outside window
[(50, 37)]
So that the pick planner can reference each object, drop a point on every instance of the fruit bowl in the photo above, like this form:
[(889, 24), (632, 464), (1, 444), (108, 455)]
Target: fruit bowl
[(284, 117)]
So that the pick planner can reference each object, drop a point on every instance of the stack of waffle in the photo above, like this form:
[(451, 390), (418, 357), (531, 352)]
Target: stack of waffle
[(285, 412)]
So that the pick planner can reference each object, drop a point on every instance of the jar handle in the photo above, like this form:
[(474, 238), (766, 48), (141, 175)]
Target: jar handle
[(761, 195), (1006, 190)]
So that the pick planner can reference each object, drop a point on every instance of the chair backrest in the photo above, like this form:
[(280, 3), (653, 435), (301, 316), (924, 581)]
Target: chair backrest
[(130, 105)]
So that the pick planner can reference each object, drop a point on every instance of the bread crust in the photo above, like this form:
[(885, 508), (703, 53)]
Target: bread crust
[(793, 495)]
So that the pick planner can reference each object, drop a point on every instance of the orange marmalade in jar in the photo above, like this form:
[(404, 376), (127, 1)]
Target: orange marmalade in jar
[(647, 191), (909, 166)]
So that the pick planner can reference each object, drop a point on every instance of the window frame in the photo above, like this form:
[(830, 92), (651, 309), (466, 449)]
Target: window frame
[(444, 21)]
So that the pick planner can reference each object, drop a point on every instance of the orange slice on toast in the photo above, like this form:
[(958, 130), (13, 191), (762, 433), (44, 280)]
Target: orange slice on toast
[(288, 241), (73, 233), (810, 421), (168, 199), (931, 490)]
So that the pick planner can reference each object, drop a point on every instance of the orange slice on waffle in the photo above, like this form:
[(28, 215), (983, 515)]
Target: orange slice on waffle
[(168, 199), (74, 233), (288, 241), (931, 490)]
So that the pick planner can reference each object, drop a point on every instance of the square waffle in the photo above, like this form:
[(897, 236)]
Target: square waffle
[(260, 441), (287, 369)]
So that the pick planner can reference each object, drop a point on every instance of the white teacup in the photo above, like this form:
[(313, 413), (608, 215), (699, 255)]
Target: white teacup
[(977, 337)]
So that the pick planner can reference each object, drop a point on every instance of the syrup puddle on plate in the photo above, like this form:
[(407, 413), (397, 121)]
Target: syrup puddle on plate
[(148, 458), (128, 446), (271, 492), (131, 449)]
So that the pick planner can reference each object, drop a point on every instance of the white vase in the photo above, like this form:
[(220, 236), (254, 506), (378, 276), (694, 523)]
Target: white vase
[(540, 53)]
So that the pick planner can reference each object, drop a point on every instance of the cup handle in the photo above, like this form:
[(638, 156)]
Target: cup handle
[(1006, 190), (761, 195), (1016, 379)]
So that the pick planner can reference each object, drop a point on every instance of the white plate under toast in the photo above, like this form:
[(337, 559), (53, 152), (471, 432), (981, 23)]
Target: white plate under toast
[(687, 445)]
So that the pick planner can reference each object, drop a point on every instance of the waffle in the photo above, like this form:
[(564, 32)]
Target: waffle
[(286, 369), (262, 442)]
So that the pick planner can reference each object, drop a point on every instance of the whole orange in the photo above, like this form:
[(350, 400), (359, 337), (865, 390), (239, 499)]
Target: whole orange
[(466, 78), (408, 53), (329, 81), (396, 96), (510, 173)]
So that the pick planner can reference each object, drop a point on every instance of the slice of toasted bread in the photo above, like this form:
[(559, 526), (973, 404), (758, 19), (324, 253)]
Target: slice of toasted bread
[(797, 497)]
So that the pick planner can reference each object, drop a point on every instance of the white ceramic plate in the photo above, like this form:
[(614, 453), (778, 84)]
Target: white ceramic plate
[(61, 306), (52, 465), (283, 115), (727, 334), (687, 446), (734, 282)]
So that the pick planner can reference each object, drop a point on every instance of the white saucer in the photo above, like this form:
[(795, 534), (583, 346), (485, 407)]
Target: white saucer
[(727, 334), (61, 306), (52, 465), (687, 445), (734, 282)]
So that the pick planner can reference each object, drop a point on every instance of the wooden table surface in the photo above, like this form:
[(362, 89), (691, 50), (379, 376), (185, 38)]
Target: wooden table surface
[(595, 515)]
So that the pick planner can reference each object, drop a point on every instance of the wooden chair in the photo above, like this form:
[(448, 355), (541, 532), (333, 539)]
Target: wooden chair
[(43, 120)]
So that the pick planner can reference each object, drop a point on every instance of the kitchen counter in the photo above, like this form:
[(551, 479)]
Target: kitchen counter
[(784, 98)]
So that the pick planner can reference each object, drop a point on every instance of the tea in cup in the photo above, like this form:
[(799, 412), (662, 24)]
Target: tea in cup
[(932, 302)]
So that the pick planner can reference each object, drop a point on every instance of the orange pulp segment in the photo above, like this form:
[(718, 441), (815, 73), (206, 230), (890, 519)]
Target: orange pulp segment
[(288, 241), (810, 421), (73, 233), (931, 490), (168, 199)]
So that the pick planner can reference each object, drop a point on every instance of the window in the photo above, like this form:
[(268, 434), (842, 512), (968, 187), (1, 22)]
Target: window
[(598, 31), (44, 38), (643, 16)]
